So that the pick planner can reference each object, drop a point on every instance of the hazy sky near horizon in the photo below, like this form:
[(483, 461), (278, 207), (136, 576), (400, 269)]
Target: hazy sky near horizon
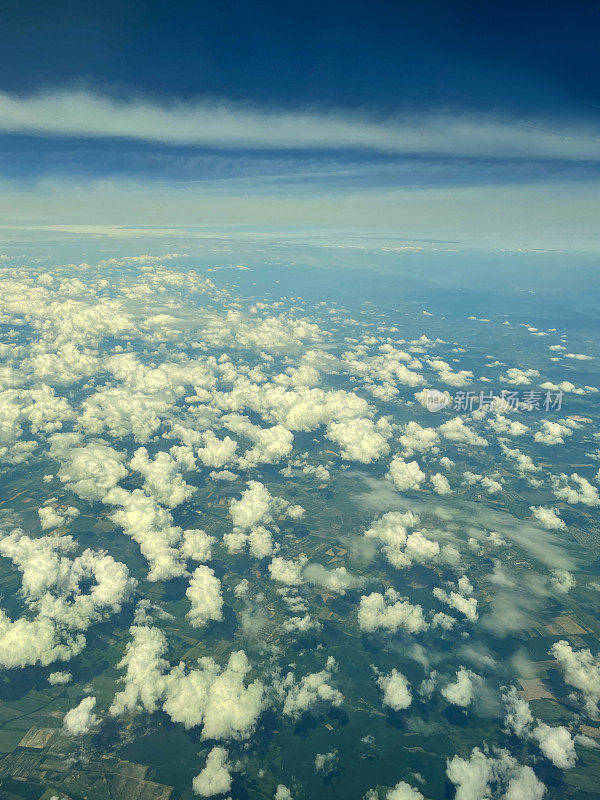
[(472, 121)]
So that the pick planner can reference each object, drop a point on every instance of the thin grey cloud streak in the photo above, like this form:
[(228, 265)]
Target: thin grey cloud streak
[(560, 216), (83, 114)]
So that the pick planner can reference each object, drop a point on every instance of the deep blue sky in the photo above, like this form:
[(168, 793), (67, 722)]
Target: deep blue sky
[(104, 105), (525, 56)]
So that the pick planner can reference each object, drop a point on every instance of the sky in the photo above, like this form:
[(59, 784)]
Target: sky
[(473, 121)]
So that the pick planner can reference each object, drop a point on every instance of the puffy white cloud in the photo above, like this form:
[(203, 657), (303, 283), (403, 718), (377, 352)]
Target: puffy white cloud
[(242, 588), (524, 785), (403, 549), (67, 365), (552, 433), (215, 778), (502, 425), (456, 430), (223, 475), (299, 409), (519, 377), (259, 541), (217, 452), (491, 485), (35, 641), (567, 387), (303, 375), (288, 572), (63, 596), (440, 484), (51, 518), (270, 444), (257, 506), (151, 526), (524, 462), (45, 410), (13, 451), (219, 700), (405, 475), (444, 621), (282, 793), (300, 696), (215, 698), (416, 439), (163, 479), (562, 581), (80, 719), (129, 398), (254, 507), (337, 580), (518, 717), (396, 691), (389, 612), (392, 531), (303, 624), (581, 670), (66, 325), (556, 744), (122, 413), (585, 493), (386, 391), (320, 472), (485, 777), (197, 545), (295, 512), (547, 517), (183, 455), (292, 599), (90, 470), (268, 333), (145, 663), (165, 381), (361, 439), (236, 541), (204, 593), (389, 367), (421, 550), (59, 678), (461, 691), (446, 374), (458, 600), (403, 791)]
